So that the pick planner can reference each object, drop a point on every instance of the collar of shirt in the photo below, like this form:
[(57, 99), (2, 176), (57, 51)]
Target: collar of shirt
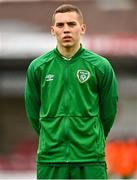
[(81, 49), (67, 59)]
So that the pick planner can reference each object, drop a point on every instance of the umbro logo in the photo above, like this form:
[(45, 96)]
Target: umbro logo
[(49, 77)]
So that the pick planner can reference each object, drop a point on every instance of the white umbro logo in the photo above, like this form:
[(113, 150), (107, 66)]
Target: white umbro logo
[(49, 77)]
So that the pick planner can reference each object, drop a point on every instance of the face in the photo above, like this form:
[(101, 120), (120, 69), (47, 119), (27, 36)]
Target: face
[(67, 29)]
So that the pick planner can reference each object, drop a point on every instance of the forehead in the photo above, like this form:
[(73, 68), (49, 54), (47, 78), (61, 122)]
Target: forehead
[(66, 17)]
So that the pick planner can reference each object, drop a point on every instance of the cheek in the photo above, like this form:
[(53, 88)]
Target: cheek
[(58, 35), (77, 33)]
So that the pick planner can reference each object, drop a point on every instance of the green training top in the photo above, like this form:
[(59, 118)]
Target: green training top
[(71, 104)]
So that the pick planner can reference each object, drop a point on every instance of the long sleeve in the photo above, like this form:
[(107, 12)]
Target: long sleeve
[(108, 93), (32, 98)]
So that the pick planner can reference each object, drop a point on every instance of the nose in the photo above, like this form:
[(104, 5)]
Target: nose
[(66, 28)]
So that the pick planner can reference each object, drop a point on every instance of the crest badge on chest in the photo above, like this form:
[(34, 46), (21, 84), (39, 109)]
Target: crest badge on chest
[(83, 75)]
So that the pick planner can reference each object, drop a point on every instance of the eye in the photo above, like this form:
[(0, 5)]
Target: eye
[(71, 24), (59, 25)]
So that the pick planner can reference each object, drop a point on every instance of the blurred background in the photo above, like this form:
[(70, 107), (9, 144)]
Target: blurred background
[(25, 35)]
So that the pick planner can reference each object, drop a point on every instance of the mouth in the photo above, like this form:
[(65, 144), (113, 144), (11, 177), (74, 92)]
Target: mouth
[(67, 38)]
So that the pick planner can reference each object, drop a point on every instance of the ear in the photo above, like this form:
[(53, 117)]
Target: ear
[(83, 29), (52, 30)]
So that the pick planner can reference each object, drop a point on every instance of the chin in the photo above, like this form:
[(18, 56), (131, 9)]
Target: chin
[(67, 45)]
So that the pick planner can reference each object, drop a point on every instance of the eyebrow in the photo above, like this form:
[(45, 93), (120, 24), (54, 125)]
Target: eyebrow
[(70, 22)]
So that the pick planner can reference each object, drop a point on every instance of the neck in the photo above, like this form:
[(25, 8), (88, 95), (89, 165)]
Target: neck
[(68, 52)]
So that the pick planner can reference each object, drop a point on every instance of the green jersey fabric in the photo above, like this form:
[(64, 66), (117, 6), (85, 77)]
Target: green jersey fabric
[(72, 171), (71, 104)]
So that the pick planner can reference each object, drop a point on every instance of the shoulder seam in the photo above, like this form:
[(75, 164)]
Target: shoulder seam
[(93, 63), (46, 56), (43, 63)]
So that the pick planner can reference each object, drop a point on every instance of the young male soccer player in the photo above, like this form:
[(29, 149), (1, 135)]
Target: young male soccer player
[(71, 102)]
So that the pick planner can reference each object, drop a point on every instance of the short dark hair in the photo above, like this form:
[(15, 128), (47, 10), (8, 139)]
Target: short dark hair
[(67, 8)]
